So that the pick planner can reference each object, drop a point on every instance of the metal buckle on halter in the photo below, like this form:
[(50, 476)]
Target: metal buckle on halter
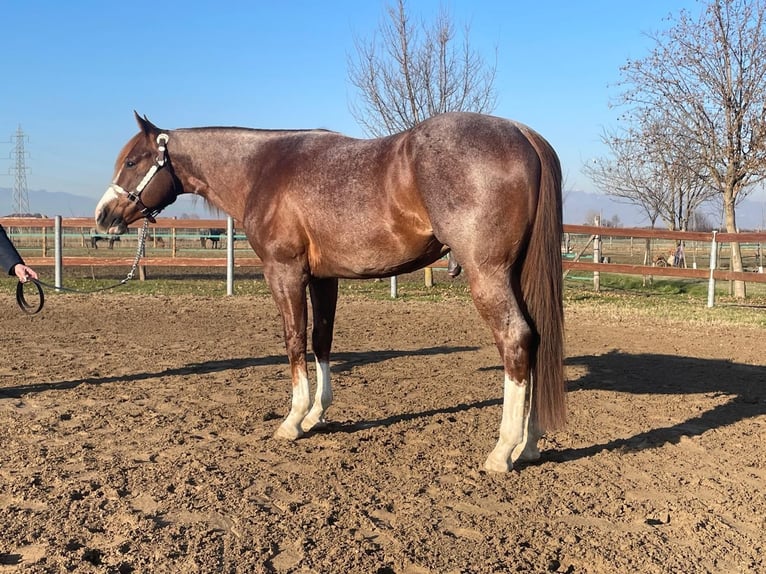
[(145, 211), (159, 163), (162, 140)]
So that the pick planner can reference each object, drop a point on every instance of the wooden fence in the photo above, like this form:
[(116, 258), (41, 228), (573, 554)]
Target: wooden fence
[(708, 250), (709, 242), (610, 250), (165, 245)]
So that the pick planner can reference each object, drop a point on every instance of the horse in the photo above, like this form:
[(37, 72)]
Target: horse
[(96, 237), (317, 206), (212, 235)]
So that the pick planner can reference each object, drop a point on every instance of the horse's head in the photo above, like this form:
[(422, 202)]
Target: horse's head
[(143, 182)]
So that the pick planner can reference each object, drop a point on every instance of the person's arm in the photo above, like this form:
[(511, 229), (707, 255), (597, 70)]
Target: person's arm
[(11, 260)]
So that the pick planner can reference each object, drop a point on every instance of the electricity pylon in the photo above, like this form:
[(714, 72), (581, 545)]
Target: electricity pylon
[(20, 191)]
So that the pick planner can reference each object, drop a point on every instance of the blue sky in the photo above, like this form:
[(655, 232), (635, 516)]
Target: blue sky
[(73, 72)]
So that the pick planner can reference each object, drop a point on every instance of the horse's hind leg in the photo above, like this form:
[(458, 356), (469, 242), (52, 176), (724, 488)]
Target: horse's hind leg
[(495, 299), (324, 298), (528, 451)]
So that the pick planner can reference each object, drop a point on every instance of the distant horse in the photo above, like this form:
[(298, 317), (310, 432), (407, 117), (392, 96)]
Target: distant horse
[(212, 235), (317, 206), (96, 237)]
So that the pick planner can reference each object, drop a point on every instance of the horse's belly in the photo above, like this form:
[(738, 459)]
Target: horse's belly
[(364, 262)]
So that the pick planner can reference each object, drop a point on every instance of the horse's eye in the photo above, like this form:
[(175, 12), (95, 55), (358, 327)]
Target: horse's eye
[(130, 163)]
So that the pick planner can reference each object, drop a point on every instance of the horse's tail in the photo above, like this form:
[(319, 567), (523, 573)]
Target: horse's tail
[(542, 287)]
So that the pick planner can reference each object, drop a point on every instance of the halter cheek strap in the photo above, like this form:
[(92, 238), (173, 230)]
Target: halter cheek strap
[(159, 163)]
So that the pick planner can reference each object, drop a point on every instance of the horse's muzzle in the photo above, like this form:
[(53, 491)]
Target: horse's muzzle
[(109, 218), (108, 223)]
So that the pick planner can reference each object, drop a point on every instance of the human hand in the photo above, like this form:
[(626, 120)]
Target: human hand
[(24, 273)]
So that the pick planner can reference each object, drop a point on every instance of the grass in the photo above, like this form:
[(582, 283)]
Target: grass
[(684, 300), (621, 296)]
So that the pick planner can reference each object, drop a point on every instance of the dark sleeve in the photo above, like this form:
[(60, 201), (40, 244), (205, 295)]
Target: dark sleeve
[(9, 257)]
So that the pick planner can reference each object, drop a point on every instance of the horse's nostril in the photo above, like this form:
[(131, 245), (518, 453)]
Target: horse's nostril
[(105, 220), (100, 219)]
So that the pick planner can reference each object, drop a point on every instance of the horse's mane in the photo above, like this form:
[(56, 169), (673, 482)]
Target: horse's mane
[(212, 209), (259, 130)]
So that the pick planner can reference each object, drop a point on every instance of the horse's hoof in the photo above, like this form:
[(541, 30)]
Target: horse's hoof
[(530, 453), (493, 465), (313, 425), (529, 456), (288, 432)]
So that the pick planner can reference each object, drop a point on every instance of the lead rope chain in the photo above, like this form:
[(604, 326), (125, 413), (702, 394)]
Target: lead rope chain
[(31, 309), (139, 252)]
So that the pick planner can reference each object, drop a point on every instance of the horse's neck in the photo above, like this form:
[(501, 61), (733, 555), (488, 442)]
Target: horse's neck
[(212, 162)]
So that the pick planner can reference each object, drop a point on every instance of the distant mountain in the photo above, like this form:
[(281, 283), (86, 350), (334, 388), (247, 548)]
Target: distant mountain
[(51, 203), (580, 207)]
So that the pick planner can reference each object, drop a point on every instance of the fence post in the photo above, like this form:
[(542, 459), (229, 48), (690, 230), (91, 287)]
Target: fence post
[(597, 256), (142, 268), (713, 264), (57, 255), (229, 255), (393, 286)]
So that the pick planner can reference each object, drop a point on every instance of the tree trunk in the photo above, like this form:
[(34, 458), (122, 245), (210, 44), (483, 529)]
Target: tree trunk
[(736, 253)]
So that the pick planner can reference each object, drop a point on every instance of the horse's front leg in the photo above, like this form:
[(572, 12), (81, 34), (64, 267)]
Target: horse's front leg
[(289, 292), (324, 298)]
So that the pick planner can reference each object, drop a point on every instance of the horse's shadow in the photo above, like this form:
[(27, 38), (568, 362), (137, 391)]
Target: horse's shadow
[(648, 374), (653, 374), (340, 362)]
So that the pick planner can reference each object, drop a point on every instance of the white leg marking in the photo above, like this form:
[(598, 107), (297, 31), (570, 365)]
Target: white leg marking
[(527, 451), (530, 451), (322, 399), (512, 426), (291, 426)]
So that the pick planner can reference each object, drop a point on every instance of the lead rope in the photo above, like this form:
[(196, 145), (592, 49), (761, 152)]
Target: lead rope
[(32, 309), (139, 252)]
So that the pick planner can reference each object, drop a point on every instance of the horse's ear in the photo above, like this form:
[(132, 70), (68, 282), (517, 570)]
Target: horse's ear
[(145, 125)]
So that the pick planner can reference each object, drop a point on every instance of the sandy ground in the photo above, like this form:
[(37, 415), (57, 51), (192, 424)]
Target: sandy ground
[(136, 436)]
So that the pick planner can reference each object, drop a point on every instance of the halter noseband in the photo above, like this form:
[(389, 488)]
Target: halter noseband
[(159, 162)]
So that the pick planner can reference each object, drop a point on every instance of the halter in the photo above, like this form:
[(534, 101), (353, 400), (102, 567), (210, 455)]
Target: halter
[(159, 162)]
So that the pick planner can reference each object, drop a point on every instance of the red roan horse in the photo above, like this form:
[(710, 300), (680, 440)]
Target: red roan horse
[(317, 206)]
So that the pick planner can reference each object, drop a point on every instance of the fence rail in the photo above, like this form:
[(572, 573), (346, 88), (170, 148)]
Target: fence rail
[(707, 250), (170, 248)]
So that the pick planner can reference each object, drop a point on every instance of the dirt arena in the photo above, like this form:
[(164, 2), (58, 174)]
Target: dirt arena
[(137, 438)]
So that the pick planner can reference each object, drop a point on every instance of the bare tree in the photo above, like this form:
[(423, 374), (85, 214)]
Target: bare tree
[(406, 74), (624, 175), (653, 168), (708, 75)]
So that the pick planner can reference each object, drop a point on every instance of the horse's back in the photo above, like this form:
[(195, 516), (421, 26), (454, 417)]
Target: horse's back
[(478, 176), (367, 208)]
